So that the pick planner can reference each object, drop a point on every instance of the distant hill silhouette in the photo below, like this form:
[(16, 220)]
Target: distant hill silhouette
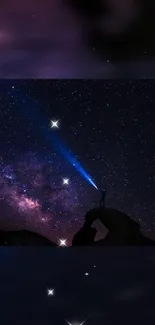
[(23, 238)]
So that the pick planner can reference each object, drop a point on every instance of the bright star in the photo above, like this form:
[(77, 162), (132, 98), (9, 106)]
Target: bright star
[(50, 292), (86, 273), (62, 242), (54, 124), (65, 181), (76, 323)]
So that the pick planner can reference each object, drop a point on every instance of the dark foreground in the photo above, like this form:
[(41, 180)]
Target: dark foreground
[(122, 231)]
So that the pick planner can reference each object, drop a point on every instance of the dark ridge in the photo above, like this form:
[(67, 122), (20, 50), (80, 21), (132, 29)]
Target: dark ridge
[(23, 238)]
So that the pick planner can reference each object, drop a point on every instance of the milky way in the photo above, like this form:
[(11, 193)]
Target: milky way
[(32, 189)]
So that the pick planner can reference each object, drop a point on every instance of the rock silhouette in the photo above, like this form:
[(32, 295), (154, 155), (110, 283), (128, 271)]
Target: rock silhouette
[(23, 238), (122, 230)]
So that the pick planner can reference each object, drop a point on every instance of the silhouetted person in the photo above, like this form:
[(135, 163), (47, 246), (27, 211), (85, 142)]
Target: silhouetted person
[(122, 230), (102, 200)]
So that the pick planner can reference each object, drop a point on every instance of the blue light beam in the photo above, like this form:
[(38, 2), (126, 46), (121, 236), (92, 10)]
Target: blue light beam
[(61, 148), (30, 109)]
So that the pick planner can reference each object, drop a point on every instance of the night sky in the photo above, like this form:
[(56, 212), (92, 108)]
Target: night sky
[(106, 136), (119, 287)]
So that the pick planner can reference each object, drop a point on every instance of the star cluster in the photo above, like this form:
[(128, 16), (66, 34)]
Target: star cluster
[(107, 126)]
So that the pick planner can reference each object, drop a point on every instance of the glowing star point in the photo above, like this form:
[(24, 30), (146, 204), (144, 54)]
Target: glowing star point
[(86, 274), (62, 242), (50, 292), (65, 181), (75, 323), (54, 124)]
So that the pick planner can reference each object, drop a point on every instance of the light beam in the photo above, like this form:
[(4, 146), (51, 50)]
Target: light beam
[(61, 148)]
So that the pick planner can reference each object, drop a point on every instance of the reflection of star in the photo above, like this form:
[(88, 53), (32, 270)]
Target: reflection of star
[(76, 323), (50, 292), (65, 181), (54, 124), (63, 242)]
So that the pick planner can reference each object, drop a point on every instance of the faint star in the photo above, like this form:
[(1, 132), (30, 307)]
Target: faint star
[(50, 292), (54, 124), (63, 242), (65, 181), (94, 265)]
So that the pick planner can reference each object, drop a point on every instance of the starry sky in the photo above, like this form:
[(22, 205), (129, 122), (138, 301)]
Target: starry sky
[(106, 135), (119, 286), (71, 39)]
